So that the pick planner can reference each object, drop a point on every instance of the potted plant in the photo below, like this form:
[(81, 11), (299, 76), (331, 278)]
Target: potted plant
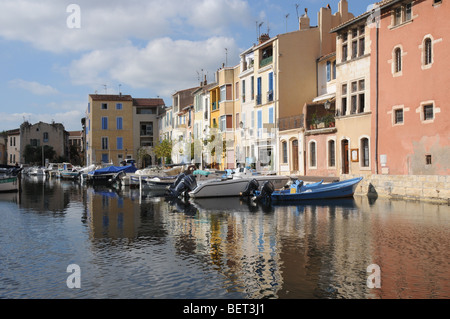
[(329, 120)]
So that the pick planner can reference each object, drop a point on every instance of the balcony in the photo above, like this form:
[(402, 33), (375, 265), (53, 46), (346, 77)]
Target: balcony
[(265, 62), (290, 123)]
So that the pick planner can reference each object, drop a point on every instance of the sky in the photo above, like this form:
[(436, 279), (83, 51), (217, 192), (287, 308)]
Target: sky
[(54, 53)]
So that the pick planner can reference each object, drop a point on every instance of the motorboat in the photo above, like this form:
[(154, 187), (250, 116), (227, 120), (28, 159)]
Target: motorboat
[(109, 174), (9, 180), (299, 191), (230, 184)]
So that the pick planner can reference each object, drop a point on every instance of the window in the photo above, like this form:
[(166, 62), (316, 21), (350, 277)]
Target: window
[(398, 116), (105, 158), (398, 60), (104, 123), (252, 88), (147, 129), (258, 92), (45, 138), (104, 106), (120, 143), (428, 113), (334, 70), (119, 123), (119, 106), (428, 160), (104, 143), (403, 14), (223, 93), (357, 97), (243, 91), (344, 100), (284, 149), (328, 71), (270, 93), (428, 51), (344, 47), (331, 153), (259, 123), (365, 152), (312, 156)]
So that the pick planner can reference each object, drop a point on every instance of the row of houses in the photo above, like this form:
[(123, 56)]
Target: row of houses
[(50, 140), (353, 95)]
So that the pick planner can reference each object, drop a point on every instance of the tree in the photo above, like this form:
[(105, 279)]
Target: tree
[(33, 154), (164, 150)]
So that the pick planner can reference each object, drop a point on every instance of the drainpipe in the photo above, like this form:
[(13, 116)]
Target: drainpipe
[(376, 97)]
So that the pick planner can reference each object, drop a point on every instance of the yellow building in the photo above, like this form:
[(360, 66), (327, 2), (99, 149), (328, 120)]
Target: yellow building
[(118, 126)]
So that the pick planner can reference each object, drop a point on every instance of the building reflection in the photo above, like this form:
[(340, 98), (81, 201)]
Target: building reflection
[(312, 250)]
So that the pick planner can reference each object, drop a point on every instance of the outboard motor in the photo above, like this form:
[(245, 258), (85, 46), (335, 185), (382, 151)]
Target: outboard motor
[(252, 186), (177, 181), (186, 184), (266, 191)]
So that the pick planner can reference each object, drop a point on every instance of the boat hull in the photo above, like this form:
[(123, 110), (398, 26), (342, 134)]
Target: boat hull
[(9, 184), (233, 187)]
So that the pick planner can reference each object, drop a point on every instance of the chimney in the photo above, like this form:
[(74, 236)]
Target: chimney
[(304, 21), (206, 81), (263, 38)]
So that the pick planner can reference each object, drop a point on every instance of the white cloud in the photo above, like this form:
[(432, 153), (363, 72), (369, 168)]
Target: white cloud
[(115, 23), (33, 87), (163, 66)]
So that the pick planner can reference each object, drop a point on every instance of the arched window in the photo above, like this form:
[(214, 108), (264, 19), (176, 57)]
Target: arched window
[(398, 60), (331, 153), (428, 51), (285, 151)]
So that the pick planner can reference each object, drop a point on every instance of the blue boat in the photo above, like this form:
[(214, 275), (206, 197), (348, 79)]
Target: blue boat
[(298, 191), (110, 174)]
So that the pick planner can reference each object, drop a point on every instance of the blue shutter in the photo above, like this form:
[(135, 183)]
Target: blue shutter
[(104, 123), (119, 143), (119, 123), (259, 86), (271, 115)]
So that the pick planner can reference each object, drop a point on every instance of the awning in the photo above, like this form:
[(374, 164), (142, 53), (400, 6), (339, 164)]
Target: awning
[(325, 97)]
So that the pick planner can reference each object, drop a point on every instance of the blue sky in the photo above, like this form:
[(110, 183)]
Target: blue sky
[(147, 48)]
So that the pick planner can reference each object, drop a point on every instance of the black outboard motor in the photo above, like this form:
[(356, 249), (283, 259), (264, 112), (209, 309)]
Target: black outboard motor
[(186, 184), (177, 181), (252, 186), (266, 191)]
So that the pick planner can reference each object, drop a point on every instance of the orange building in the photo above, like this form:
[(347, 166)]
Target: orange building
[(409, 73)]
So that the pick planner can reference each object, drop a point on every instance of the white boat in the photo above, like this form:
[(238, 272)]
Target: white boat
[(235, 183), (37, 171), (9, 180)]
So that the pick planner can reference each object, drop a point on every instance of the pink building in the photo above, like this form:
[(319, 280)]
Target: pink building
[(410, 76)]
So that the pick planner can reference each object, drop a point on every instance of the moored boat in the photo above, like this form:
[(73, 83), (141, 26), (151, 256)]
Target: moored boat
[(9, 180), (299, 191)]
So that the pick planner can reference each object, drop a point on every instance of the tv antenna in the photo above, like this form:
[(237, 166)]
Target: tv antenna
[(258, 27), (226, 56), (106, 88), (296, 9), (286, 16)]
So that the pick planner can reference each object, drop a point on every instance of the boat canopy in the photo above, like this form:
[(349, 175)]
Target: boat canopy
[(114, 169)]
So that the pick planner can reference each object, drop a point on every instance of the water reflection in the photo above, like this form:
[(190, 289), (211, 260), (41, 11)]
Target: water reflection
[(134, 247)]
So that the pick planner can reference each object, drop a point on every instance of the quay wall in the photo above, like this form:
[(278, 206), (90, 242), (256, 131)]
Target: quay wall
[(435, 188)]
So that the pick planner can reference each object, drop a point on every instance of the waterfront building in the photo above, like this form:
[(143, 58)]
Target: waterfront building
[(145, 129), (44, 134), (109, 129), (76, 148), (182, 107), (3, 148), (408, 87), (165, 122), (201, 123), (13, 147), (353, 108), (119, 127)]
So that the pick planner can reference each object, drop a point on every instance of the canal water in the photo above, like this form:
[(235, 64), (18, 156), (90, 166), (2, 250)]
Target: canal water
[(132, 246)]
